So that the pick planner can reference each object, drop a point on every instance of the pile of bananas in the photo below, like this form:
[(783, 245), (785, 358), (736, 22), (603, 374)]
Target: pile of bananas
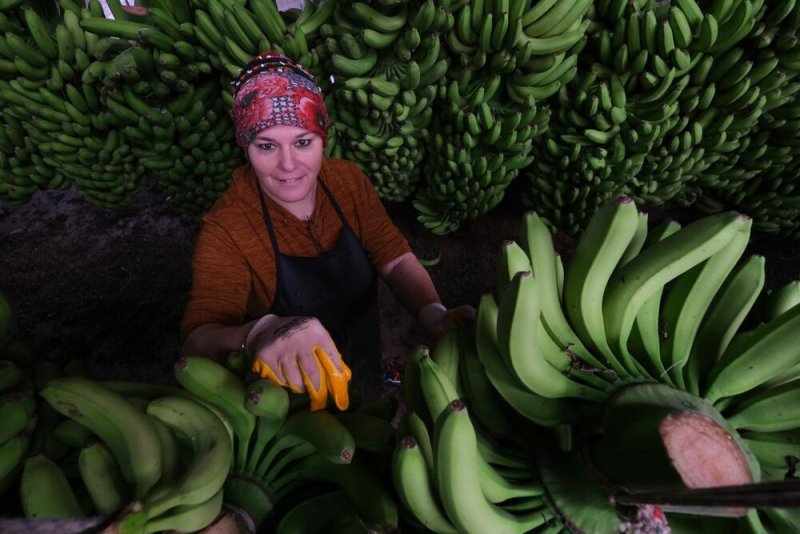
[(694, 86), (655, 358), (450, 474), (510, 59), (385, 62), (153, 458), (156, 465), (443, 104), (285, 455), (100, 104)]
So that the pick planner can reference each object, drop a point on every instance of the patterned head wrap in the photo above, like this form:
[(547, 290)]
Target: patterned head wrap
[(273, 90)]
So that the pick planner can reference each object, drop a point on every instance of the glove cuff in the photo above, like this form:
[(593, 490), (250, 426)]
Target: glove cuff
[(430, 314), (262, 323)]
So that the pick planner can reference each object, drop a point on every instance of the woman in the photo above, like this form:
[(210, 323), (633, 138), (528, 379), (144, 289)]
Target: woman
[(285, 265)]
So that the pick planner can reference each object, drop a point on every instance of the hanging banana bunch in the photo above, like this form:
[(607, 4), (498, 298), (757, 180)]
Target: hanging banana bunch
[(385, 62), (508, 61), (755, 174)]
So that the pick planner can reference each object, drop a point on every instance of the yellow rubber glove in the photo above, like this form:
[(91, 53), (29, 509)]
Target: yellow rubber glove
[(282, 349), (337, 376), (317, 394)]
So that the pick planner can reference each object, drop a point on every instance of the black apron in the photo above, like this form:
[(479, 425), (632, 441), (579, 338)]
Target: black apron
[(340, 288)]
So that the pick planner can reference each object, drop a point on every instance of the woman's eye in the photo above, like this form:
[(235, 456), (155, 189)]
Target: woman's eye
[(265, 146), (303, 142)]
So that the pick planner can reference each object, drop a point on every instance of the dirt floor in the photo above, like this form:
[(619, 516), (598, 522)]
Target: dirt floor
[(109, 286)]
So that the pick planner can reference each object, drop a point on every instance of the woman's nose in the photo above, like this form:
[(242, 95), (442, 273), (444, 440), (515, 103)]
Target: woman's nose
[(287, 159)]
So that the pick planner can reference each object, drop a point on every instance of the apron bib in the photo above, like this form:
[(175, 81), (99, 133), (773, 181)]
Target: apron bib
[(340, 289)]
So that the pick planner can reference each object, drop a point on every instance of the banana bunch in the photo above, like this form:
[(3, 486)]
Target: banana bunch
[(159, 94), (65, 113), (511, 59), (591, 151), (30, 58), (157, 461), (23, 419), (386, 62), (640, 337), (479, 150), (547, 39), (233, 33), (281, 451), (752, 176), (452, 472)]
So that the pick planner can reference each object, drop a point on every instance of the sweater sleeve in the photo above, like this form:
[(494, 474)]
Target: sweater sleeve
[(220, 281)]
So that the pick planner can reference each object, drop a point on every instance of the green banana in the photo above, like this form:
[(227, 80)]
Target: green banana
[(328, 435), (376, 20), (754, 357), (778, 301), (189, 518), (511, 260), (727, 312), (370, 432), (458, 479), (348, 67), (543, 411), (438, 390), (497, 489), (170, 454), (415, 488), (211, 459), (689, 299), (215, 384), (553, 45), (103, 480), (517, 333), (773, 410), (608, 234), (12, 455), (45, 491), (537, 242), (632, 284), (773, 449), (553, 21), (126, 431), (269, 19), (491, 413), (16, 410)]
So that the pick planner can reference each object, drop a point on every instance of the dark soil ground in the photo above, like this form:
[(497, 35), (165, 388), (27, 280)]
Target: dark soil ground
[(108, 287)]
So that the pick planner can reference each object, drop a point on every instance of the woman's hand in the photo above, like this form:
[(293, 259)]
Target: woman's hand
[(437, 319), (298, 352)]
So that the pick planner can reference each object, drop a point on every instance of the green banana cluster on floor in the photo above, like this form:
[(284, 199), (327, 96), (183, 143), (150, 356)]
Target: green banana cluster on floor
[(647, 335), (153, 458), (285, 454), (443, 104)]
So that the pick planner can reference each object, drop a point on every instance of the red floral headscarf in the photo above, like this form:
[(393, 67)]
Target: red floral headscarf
[(273, 90)]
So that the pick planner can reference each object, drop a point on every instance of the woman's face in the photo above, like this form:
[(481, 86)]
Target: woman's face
[(287, 160)]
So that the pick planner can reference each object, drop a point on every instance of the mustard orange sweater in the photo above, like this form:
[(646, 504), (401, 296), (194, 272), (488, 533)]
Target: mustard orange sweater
[(233, 265)]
